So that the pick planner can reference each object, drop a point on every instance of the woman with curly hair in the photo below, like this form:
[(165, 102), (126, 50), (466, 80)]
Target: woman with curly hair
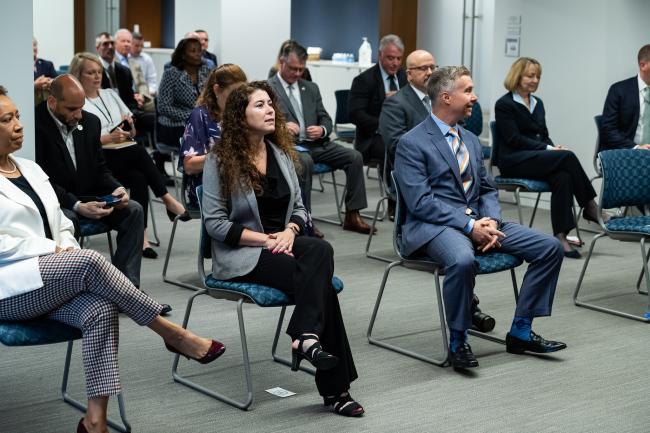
[(253, 211)]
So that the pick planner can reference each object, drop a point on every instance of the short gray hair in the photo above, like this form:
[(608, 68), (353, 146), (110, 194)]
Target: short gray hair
[(125, 31), (443, 80), (391, 40)]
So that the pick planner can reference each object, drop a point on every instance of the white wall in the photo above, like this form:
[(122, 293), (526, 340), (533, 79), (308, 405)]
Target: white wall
[(54, 30), (17, 69), (190, 15)]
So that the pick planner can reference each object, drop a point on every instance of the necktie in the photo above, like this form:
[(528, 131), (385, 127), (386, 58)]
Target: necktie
[(427, 103), (462, 156), (111, 76), (298, 110), (392, 85), (645, 135)]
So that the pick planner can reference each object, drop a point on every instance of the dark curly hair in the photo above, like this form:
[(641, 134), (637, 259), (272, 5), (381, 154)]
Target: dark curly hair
[(235, 152), (224, 75), (179, 52)]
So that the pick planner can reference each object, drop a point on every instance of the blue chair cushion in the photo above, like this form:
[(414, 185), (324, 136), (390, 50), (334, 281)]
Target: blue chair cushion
[(89, 227), (637, 224), (36, 331), (264, 296), (321, 168), (531, 185), (496, 262)]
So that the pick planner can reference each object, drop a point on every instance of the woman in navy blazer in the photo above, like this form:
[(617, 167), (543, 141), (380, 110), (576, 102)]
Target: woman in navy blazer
[(526, 150), (252, 209)]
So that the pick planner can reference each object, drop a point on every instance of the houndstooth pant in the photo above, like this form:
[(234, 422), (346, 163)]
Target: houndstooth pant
[(82, 289)]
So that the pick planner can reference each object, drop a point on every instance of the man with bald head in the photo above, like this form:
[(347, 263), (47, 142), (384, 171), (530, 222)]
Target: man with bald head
[(69, 151), (410, 105)]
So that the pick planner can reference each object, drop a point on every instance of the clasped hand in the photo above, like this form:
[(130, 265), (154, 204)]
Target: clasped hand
[(485, 235), (281, 242)]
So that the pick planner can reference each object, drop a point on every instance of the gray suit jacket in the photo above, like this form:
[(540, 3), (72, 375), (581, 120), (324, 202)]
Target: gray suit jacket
[(219, 214), (399, 114), (313, 111), (429, 180)]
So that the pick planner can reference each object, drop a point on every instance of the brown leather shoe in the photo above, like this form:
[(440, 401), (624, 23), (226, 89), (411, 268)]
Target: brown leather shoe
[(319, 234), (354, 223)]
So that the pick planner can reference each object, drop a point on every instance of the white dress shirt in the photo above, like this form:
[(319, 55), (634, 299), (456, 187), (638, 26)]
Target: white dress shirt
[(639, 127)]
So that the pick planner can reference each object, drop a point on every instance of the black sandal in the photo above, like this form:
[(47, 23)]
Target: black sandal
[(344, 405), (314, 354)]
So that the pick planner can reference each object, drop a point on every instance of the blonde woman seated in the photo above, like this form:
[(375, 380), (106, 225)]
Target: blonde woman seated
[(253, 211), (132, 166), (43, 273)]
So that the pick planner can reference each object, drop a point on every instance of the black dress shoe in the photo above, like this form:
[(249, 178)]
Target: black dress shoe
[(536, 344), (463, 357), (481, 321), (573, 254), (166, 309), (149, 253), (185, 216)]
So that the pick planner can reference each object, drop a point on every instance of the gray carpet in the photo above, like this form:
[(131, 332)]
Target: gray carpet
[(593, 386)]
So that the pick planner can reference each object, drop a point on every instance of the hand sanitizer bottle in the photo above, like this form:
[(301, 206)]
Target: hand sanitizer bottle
[(365, 53)]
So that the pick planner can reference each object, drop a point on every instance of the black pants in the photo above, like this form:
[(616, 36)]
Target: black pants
[(562, 170), (308, 278), (170, 135), (135, 169)]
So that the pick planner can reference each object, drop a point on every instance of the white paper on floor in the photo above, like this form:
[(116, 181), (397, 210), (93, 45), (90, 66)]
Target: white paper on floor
[(280, 392)]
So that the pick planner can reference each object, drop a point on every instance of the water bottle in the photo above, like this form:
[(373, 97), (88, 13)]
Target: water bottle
[(365, 53)]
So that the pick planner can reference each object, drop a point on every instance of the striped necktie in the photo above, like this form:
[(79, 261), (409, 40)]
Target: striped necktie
[(462, 156)]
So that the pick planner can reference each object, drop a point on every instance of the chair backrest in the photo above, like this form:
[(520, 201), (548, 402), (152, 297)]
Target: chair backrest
[(205, 241), (474, 123), (599, 123), (495, 146), (626, 178), (341, 106), (400, 217)]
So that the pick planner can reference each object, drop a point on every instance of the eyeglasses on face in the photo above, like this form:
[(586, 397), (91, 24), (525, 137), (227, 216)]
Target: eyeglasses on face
[(423, 68)]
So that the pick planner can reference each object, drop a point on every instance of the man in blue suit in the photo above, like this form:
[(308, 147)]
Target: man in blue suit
[(626, 114), (452, 213)]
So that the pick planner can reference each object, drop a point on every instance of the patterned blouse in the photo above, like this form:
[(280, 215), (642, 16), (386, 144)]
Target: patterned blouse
[(177, 95), (201, 133)]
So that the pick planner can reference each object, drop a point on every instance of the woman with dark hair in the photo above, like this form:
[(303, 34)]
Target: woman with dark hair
[(44, 273), (253, 211), (179, 89), (203, 128), (526, 150)]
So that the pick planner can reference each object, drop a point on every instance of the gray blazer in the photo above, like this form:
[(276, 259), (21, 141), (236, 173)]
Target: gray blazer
[(399, 114), (313, 110), (219, 214)]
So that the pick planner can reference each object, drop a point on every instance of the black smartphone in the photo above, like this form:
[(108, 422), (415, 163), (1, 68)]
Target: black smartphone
[(110, 200), (124, 126)]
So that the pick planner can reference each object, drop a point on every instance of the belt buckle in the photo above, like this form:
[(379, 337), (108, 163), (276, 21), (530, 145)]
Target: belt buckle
[(468, 211)]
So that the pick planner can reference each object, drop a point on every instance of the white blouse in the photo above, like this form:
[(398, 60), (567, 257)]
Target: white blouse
[(108, 107)]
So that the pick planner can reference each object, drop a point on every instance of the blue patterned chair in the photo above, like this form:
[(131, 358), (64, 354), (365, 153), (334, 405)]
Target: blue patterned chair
[(262, 296), (44, 331), (517, 185), (626, 182), (88, 227), (487, 264)]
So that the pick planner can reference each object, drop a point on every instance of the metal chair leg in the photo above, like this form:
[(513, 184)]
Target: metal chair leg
[(280, 359), (532, 217), (518, 204), (168, 254), (123, 427), (372, 340), (645, 318), (370, 235), (339, 220), (244, 404)]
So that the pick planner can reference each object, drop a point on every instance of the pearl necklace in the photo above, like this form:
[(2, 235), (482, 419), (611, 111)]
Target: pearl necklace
[(9, 171)]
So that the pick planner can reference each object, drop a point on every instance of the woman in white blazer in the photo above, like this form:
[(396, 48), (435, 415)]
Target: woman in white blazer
[(43, 273), (254, 214)]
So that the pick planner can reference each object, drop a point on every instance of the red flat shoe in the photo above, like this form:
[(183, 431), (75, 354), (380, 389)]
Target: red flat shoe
[(215, 351), (81, 428)]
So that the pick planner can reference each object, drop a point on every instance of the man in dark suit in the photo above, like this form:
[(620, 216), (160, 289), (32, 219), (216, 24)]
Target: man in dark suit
[(118, 77), (626, 115), (452, 212), (302, 105), (42, 67), (368, 92), (204, 39), (69, 151)]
